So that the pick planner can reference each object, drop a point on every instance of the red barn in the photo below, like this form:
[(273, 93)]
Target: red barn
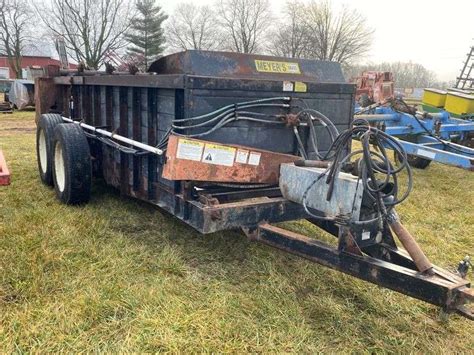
[(33, 55)]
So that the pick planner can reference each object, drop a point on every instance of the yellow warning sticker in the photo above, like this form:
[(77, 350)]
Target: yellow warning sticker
[(190, 142), (189, 150), (300, 87), (269, 66), (220, 147), (218, 154)]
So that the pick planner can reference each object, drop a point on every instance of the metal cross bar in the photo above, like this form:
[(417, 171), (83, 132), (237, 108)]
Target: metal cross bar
[(115, 136)]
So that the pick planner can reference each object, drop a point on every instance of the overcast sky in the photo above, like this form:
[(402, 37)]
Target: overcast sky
[(437, 34)]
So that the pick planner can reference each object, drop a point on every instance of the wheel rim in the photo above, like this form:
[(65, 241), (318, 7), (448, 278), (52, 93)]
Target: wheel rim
[(43, 155), (59, 170)]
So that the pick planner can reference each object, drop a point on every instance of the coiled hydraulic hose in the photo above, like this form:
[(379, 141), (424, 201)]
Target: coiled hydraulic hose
[(378, 175), (309, 116)]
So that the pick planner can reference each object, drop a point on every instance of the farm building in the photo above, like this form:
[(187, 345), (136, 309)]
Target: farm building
[(34, 55)]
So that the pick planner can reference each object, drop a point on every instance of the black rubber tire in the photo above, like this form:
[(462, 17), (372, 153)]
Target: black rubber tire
[(72, 168), (417, 162), (414, 161), (45, 127)]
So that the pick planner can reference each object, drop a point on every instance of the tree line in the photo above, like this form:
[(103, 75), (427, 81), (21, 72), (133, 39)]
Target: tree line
[(140, 31), (406, 74), (93, 28)]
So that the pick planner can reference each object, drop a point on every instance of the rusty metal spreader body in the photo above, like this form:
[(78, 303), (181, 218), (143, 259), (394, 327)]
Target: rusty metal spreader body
[(193, 83), (216, 141)]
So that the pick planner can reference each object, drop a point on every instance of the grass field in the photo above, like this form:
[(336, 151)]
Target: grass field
[(118, 274)]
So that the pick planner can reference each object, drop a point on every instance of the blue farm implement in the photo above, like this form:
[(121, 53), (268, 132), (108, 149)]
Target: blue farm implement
[(426, 136)]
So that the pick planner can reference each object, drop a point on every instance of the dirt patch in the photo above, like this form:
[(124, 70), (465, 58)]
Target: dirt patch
[(19, 129), (14, 124)]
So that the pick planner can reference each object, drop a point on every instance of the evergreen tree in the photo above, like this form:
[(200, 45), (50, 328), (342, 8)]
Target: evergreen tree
[(146, 33)]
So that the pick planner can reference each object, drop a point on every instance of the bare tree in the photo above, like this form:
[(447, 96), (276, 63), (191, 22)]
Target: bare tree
[(192, 27), (14, 30), (410, 75), (290, 39), (244, 23), (340, 36), (91, 28)]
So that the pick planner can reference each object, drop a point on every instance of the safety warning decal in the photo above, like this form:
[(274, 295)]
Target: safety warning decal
[(242, 156), (189, 150), (300, 86), (218, 155), (287, 86), (254, 158)]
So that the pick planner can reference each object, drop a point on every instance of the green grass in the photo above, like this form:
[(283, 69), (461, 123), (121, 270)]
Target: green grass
[(118, 274)]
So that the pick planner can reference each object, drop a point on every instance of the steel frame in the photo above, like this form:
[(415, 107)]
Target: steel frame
[(209, 208), (397, 272)]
